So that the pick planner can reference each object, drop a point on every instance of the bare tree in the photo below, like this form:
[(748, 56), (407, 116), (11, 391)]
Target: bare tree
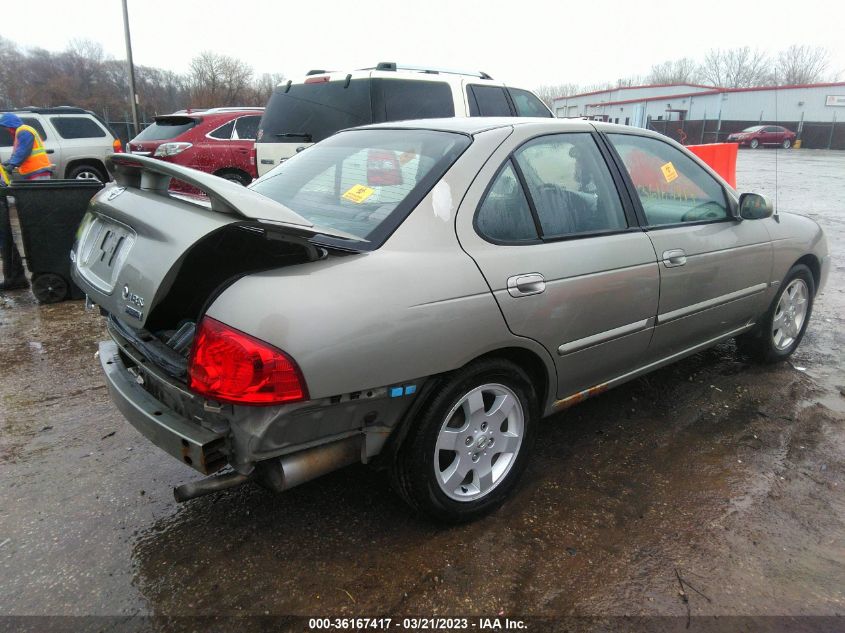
[(801, 65), (548, 93), (675, 71), (219, 80), (737, 68)]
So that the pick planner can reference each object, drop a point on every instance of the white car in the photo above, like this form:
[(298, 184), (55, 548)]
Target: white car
[(305, 112), (77, 141)]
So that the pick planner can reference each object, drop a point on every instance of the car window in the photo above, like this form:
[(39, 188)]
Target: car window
[(313, 111), (71, 127), (528, 104), (6, 138), (570, 185), (166, 128), (224, 132), (246, 127), (488, 101), (402, 100), (363, 182), (672, 187), (504, 215)]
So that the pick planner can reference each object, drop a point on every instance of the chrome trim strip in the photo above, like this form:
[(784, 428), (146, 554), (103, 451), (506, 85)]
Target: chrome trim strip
[(710, 303), (603, 337)]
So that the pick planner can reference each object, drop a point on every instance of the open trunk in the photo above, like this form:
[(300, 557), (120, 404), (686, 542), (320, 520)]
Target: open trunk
[(154, 262)]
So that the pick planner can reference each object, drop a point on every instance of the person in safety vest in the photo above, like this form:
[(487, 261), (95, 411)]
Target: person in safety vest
[(29, 157), (14, 276)]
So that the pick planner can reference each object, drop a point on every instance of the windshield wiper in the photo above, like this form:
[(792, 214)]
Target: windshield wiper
[(303, 135)]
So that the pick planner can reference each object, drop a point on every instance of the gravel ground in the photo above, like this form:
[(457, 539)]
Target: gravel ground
[(712, 487)]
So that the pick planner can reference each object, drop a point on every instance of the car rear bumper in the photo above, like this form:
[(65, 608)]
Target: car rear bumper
[(190, 443)]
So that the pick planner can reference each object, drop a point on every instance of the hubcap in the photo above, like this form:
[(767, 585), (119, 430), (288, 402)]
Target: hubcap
[(87, 175), (790, 314), (478, 442)]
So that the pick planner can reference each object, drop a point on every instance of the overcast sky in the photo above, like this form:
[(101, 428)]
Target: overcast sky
[(524, 42)]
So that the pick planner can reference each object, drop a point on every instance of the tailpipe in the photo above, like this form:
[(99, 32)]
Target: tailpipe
[(194, 489), (288, 471)]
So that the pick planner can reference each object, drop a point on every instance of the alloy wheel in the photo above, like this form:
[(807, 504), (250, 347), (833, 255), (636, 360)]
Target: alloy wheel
[(790, 314)]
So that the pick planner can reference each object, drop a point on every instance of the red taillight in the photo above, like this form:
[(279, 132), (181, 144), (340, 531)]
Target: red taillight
[(116, 146), (318, 80), (383, 169), (230, 366)]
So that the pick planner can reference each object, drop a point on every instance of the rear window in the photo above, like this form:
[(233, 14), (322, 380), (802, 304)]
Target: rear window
[(488, 101), (166, 128), (528, 104), (246, 127), (6, 138), (363, 182), (70, 127), (308, 113), (403, 100)]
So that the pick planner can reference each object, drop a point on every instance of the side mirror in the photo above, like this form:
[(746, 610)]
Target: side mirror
[(753, 206)]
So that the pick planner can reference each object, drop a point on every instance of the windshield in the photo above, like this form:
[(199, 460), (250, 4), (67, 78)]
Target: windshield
[(166, 128), (755, 128), (363, 182)]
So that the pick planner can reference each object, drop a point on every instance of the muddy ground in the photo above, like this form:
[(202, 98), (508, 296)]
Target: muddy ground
[(723, 473)]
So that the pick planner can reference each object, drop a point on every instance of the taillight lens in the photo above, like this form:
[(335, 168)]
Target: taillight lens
[(116, 146), (171, 149), (231, 366)]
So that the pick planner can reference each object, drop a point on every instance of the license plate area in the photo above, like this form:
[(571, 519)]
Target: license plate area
[(104, 247)]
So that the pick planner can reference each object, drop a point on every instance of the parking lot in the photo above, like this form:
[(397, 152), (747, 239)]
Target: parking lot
[(711, 487)]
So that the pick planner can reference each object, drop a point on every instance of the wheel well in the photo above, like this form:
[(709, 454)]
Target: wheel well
[(91, 162), (232, 170), (532, 365), (811, 262)]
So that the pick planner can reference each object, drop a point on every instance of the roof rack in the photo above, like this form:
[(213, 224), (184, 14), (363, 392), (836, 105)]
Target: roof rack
[(52, 110), (393, 66)]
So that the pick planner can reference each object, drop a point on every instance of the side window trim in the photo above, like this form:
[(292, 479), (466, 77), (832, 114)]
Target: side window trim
[(638, 206), (628, 207)]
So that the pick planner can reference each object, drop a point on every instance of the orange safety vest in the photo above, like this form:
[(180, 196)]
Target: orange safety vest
[(37, 159)]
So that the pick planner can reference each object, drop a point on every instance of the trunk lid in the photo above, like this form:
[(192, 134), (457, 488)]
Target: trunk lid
[(137, 236)]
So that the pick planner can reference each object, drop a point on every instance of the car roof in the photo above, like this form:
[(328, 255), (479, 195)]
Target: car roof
[(407, 72), (474, 125)]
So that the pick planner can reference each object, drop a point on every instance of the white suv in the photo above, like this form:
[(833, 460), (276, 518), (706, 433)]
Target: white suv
[(299, 114), (77, 141)]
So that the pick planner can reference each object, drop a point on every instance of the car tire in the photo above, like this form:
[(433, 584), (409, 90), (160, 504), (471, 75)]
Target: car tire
[(781, 329), (787, 143), (87, 172), (449, 467), (235, 176), (754, 144), (49, 287)]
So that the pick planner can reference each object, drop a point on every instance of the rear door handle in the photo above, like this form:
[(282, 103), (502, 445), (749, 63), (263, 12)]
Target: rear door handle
[(525, 285), (673, 258), (51, 151)]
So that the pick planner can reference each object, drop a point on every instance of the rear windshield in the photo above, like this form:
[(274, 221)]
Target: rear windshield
[(307, 113), (166, 128), (363, 182)]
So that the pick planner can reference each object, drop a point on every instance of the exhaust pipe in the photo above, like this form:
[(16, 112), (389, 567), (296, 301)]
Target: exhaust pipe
[(283, 472), (194, 489)]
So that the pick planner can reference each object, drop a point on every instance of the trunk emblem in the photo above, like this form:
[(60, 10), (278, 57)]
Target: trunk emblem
[(132, 298), (114, 193)]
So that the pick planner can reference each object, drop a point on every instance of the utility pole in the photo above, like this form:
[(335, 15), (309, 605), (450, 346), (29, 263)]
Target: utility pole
[(133, 96)]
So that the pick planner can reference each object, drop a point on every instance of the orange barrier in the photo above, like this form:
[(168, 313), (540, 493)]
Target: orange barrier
[(721, 157)]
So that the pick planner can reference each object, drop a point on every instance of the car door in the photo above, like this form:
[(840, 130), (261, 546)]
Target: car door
[(714, 268), (213, 151), (561, 252)]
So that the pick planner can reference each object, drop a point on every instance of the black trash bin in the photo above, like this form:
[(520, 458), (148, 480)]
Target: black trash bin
[(49, 212)]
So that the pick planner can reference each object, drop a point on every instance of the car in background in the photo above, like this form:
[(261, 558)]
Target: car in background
[(77, 141), (305, 112), (218, 141), (418, 294), (759, 135)]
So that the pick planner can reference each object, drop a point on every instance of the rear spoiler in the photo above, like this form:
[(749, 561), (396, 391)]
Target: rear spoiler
[(150, 174)]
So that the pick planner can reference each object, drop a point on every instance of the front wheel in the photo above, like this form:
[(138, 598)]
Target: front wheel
[(782, 327), (470, 444)]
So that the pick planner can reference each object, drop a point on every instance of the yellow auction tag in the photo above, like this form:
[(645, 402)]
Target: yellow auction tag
[(358, 193), (669, 172)]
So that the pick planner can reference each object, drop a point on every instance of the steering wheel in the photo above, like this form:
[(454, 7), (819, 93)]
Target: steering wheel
[(705, 211)]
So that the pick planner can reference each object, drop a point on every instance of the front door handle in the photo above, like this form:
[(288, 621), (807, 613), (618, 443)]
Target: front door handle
[(675, 257), (524, 285)]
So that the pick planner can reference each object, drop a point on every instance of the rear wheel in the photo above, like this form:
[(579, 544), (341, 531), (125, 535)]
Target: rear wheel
[(49, 288), (471, 444), (87, 172), (782, 327), (754, 144), (787, 143)]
